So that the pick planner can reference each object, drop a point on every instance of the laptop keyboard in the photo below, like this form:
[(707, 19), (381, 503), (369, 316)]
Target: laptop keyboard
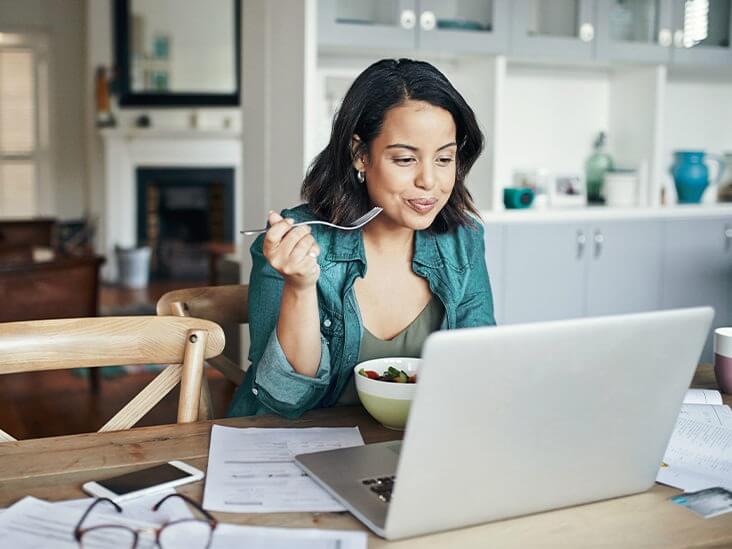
[(381, 487)]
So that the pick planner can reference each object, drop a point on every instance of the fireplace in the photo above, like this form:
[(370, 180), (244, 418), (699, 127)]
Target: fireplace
[(179, 212)]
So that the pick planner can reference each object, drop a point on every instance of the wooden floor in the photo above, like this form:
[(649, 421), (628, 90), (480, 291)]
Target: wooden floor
[(41, 404)]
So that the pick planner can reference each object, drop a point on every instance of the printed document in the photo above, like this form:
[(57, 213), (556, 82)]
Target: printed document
[(251, 470), (703, 396), (35, 524), (698, 456), (708, 413)]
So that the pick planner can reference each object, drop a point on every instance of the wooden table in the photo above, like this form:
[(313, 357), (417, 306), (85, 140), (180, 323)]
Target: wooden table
[(55, 468)]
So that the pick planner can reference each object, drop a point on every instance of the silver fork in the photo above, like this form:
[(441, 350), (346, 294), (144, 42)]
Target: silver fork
[(357, 224)]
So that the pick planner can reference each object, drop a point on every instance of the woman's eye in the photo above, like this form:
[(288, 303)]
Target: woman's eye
[(404, 161), (444, 160)]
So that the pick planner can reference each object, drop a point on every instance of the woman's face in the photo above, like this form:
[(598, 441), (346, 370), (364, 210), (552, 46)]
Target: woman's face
[(410, 170)]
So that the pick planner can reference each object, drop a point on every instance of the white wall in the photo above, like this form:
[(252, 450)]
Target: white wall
[(64, 22), (550, 117)]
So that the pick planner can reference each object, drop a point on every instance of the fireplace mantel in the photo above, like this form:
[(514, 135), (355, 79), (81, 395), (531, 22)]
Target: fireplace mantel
[(125, 150)]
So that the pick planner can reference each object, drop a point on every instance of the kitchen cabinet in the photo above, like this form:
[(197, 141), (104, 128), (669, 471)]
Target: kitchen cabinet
[(543, 271), (697, 268), (380, 23), (494, 260), (446, 26), (637, 31), (560, 270), (702, 37), (558, 29), (624, 266)]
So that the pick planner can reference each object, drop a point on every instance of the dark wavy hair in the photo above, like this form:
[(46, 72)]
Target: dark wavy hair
[(331, 188)]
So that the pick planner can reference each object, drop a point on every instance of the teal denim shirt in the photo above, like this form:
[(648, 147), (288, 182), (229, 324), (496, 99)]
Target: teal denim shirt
[(453, 264)]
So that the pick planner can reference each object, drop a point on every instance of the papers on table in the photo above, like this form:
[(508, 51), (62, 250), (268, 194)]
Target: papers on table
[(703, 396), (699, 454), (35, 524), (708, 413), (251, 470)]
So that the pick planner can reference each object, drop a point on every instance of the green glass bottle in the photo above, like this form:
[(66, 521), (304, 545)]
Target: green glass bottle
[(597, 164)]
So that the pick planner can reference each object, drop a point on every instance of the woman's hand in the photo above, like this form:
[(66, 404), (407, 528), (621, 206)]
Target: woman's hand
[(292, 252)]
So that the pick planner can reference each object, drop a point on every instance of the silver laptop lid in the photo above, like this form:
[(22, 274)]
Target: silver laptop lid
[(518, 419)]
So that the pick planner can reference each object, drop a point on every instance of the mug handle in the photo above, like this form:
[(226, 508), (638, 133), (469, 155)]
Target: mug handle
[(720, 167)]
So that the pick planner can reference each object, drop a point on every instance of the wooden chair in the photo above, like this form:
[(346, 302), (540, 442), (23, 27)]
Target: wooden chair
[(181, 343), (225, 305)]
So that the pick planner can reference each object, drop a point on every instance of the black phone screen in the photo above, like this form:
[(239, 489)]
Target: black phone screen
[(145, 478)]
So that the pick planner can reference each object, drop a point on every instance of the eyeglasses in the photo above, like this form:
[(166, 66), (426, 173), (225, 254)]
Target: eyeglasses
[(197, 533)]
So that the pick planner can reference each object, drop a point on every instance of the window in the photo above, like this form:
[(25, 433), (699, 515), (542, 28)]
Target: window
[(20, 156)]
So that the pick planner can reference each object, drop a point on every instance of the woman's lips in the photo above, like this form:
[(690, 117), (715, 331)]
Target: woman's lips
[(422, 205)]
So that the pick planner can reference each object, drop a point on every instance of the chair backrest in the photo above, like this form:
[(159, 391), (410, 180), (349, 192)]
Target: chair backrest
[(180, 343), (227, 305), (221, 304), (224, 305)]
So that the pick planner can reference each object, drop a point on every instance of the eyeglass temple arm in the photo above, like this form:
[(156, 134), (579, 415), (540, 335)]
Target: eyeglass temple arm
[(188, 500), (78, 530)]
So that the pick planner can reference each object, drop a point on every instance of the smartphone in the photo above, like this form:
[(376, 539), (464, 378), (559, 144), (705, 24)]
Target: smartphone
[(144, 481)]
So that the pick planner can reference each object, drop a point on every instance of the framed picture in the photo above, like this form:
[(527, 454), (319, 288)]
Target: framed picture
[(567, 190)]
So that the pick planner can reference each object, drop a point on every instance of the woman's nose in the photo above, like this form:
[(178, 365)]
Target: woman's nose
[(426, 177)]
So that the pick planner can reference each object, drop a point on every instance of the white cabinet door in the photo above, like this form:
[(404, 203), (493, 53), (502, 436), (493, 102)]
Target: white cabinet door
[(359, 24), (624, 269), (697, 267), (559, 29), (469, 26), (544, 271)]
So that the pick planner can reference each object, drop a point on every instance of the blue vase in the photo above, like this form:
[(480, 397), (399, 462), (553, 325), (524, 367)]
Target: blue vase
[(691, 176)]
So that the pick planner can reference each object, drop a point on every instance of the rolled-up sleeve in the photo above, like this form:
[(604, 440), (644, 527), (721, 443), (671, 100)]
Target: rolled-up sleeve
[(276, 384)]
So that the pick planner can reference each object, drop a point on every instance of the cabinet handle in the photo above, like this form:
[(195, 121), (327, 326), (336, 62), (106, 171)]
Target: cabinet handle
[(727, 238), (599, 240), (407, 19), (581, 241), (664, 37), (587, 32), (679, 38), (427, 20)]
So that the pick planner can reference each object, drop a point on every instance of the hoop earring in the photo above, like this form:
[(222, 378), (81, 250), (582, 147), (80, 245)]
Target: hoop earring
[(361, 176)]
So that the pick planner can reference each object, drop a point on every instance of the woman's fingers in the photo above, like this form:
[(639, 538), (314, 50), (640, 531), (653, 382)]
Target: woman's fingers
[(292, 251), (279, 227)]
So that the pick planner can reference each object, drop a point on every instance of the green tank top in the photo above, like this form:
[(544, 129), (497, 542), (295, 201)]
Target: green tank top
[(407, 343)]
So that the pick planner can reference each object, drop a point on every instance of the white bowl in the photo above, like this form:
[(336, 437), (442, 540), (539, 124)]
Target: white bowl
[(387, 401)]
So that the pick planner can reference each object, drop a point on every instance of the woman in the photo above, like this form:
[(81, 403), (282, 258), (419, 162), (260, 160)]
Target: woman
[(321, 299)]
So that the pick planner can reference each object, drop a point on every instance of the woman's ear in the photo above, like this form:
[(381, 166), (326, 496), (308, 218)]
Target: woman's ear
[(357, 154)]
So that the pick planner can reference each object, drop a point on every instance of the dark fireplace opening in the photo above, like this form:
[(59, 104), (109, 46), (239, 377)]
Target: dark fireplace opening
[(180, 212)]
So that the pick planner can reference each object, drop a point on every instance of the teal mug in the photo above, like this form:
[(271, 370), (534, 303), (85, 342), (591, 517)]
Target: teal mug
[(518, 197), (691, 175)]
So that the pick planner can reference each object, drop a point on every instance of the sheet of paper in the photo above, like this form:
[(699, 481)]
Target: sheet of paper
[(35, 524), (700, 448), (708, 413), (703, 396), (232, 536), (251, 470), (688, 481)]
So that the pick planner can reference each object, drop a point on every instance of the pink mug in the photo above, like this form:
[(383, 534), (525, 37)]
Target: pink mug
[(723, 359)]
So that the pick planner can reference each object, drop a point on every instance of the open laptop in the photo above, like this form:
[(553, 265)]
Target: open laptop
[(518, 419)]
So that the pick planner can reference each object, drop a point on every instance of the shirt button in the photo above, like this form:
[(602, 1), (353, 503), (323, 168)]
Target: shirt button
[(255, 391), (327, 323)]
